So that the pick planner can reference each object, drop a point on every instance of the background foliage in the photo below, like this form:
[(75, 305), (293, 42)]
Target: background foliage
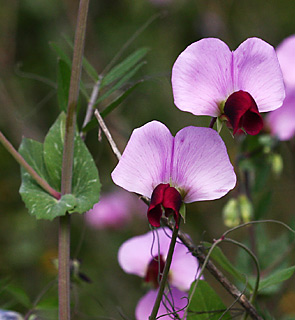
[(29, 106)]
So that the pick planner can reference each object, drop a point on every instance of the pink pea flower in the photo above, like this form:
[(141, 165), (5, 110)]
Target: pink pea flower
[(286, 55), (145, 257), (282, 121), (192, 166), (114, 210), (210, 79)]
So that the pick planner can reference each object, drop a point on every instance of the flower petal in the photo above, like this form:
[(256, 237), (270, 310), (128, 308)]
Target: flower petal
[(286, 55), (242, 112), (256, 70), (155, 207), (282, 121), (176, 300), (146, 160), (112, 211), (201, 166), (136, 253), (201, 77), (184, 268)]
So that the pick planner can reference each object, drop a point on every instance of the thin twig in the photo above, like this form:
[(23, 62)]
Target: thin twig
[(108, 134), (90, 106), (16, 155)]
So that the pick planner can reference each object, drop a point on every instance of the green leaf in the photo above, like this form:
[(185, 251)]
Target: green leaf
[(19, 295), (64, 57), (119, 70), (118, 100), (60, 53), (47, 161), (119, 84), (114, 104), (63, 84), (85, 183), (86, 64), (222, 260), (206, 304), (39, 203), (277, 277)]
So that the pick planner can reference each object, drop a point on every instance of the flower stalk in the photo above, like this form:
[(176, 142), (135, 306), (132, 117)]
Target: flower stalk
[(165, 273), (67, 165)]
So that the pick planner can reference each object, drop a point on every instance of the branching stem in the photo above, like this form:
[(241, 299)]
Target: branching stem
[(42, 183)]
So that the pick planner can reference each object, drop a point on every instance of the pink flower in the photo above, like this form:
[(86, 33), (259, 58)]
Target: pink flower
[(210, 79), (282, 121), (174, 300), (286, 55), (140, 256), (192, 166), (114, 210)]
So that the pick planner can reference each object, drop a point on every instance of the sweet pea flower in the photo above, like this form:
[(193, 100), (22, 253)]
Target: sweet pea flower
[(210, 79), (145, 257), (286, 56), (114, 210), (192, 166), (282, 121)]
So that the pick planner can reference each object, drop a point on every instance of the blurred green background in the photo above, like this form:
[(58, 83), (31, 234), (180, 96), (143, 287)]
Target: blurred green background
[(28, 107)]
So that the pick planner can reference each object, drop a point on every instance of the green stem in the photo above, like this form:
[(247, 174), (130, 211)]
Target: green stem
[(253, 297), (67, 164), (165, 274), (256, 265), (9, 147)]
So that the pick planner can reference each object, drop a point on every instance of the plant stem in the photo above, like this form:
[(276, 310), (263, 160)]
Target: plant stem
[(67, 164), (90, 107), (165, 274), (108, 134), (42, 183)]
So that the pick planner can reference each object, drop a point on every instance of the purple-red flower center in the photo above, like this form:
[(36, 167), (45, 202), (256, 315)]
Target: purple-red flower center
[(167, 199), (242, 112), (155, 271)]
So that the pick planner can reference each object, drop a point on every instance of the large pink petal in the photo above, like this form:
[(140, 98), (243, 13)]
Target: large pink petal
[(176, 300), (201, 77), (201, 166), (256, 70), (286, 55), (136, 253), (146, 160), (282, 121)]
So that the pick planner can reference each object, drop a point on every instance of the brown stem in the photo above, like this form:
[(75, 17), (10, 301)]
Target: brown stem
[(67, 164), (218, 275), (42, 183)]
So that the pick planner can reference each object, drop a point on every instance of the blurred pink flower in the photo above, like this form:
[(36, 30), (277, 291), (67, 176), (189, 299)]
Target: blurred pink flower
[(281, 122), (192, 166), (210, 79), (114, 210), (140, 256), (286, 55)]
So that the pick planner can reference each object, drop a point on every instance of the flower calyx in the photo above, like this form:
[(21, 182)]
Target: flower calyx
[(164, 199)]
